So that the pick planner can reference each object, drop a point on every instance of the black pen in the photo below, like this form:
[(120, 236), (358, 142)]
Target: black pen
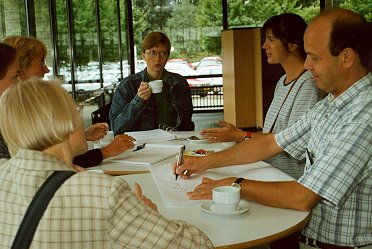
[(180, 156)]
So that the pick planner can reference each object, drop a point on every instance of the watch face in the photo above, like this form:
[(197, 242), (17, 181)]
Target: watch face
[(236, 185)]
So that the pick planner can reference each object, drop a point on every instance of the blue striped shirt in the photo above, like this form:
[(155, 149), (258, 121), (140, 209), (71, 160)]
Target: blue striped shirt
[(338, 134)]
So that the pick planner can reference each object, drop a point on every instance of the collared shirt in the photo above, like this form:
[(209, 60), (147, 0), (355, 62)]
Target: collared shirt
[(88, 211), (338, 135)]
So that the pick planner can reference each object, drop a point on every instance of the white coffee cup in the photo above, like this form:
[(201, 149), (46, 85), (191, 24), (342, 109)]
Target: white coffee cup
[(156, 86), (107, 138), (225, 199)]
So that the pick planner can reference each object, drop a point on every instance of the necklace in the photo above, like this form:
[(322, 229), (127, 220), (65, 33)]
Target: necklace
[(294, 80)]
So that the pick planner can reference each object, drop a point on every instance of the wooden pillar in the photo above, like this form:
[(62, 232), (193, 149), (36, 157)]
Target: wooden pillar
[(242, 77)]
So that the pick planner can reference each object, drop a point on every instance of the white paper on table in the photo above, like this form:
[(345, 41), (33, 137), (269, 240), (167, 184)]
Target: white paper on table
[(174, 191), (150, 154), (151, 136)]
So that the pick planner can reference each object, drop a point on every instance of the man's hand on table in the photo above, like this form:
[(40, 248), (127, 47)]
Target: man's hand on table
[(204, 190), (190, 165), (141, 197)]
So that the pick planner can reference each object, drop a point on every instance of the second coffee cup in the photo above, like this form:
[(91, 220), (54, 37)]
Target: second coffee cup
[(225, 199), (156, 86)]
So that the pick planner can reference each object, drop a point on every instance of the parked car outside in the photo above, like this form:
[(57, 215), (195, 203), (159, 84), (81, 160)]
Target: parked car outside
[(209, 61), (212, 81), (180, 66)]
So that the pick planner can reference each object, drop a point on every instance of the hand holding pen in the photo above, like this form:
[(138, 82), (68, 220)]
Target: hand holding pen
[(180, 157)]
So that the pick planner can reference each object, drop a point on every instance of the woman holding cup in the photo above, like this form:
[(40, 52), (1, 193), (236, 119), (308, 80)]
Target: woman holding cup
[(154, 96)]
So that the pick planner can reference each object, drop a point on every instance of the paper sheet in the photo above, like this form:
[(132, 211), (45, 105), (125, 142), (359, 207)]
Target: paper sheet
[(151, 136), (174, 191), (146, 156)]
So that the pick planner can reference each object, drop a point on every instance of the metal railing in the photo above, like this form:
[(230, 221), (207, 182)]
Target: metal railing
[(207, 99), (204, 98)]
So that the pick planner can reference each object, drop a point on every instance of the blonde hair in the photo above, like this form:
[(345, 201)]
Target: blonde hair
[(28, 49), (37, 114)]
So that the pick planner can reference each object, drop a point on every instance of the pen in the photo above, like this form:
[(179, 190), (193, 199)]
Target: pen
[(180, 156)]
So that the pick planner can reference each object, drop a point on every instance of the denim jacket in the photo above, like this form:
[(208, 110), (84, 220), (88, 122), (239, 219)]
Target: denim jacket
[(129, 112)]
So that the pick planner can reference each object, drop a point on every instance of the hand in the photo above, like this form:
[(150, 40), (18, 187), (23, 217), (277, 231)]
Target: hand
[(141, 197), (204, 190), (227, 133), (96, 131), (144, 91), (78, 168), (120, 144), (190, 165)]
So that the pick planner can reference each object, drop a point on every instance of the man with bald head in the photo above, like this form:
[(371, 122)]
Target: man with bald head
[(335, 137)]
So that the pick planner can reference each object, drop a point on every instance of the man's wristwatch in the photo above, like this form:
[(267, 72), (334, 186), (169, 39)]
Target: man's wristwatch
[(237, 183)]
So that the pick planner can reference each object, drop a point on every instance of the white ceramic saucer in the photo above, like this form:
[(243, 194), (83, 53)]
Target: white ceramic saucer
[(242, 208), (197, 141)]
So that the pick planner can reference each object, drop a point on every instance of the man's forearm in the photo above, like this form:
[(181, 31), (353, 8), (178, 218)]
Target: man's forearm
[(249, 151)]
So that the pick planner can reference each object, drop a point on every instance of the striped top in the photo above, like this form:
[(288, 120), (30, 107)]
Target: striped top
[(338, 135), (303, 96)]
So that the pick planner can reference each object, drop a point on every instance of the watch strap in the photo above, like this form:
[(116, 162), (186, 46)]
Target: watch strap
[(239, 180)]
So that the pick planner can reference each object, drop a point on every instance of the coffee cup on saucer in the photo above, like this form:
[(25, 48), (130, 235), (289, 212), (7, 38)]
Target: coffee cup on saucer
[(225, 199), (156, 86)]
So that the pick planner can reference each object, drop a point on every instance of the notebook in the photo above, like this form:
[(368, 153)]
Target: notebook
[(151, 136), (150, 154)]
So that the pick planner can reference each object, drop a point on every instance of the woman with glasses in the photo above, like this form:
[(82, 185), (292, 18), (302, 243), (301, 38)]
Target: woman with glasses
[(31, 54), (134, 107)]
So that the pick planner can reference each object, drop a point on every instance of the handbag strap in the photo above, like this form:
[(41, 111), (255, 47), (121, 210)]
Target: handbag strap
[(37, 208)]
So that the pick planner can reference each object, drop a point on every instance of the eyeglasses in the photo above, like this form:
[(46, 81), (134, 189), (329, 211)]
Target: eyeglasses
[(154, 54)]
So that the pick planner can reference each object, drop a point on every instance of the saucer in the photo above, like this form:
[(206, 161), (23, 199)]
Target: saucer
[(242, 208), (197, 141)]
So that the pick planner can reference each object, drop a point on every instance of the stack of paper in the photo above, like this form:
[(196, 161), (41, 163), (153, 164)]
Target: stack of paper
[(150, 154), (151, 136)]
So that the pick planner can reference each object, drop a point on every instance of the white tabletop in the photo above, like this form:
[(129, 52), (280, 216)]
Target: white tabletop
[(260, 225)]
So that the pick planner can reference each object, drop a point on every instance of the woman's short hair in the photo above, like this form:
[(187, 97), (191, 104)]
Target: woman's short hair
[(155, 38), (8, 55), (37, 114), (28, 49), (288, 28)]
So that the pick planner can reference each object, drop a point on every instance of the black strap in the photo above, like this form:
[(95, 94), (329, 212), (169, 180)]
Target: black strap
[(37, 207)]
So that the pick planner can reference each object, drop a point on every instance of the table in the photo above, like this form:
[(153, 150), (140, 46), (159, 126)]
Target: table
[(260, 225)]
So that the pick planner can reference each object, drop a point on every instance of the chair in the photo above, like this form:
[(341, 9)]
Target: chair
[(101, 115)]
